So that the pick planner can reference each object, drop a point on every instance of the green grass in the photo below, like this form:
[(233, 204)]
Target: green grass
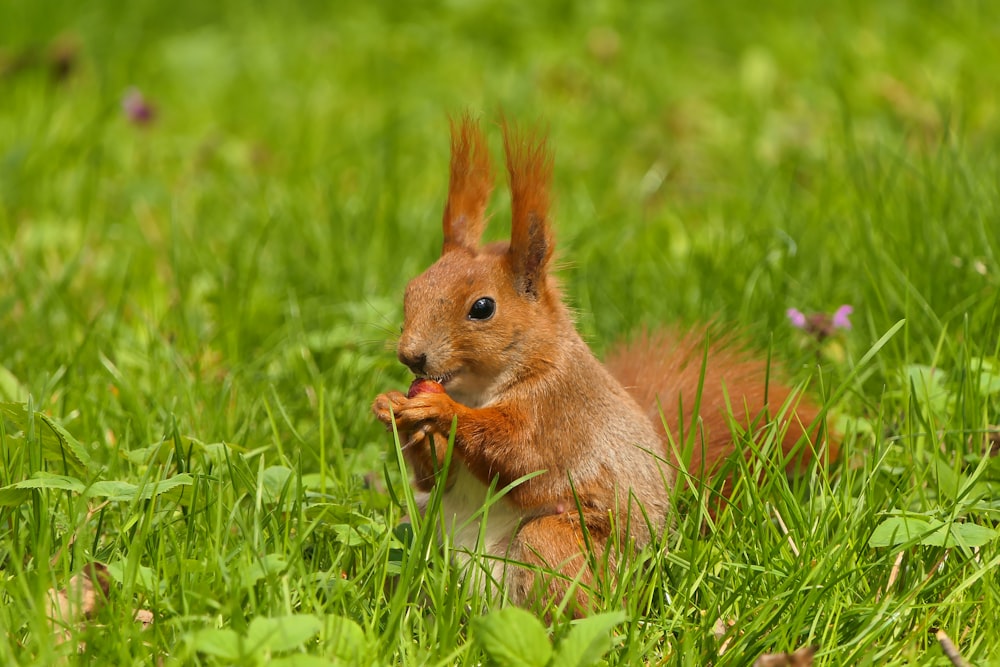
[(209, 303)]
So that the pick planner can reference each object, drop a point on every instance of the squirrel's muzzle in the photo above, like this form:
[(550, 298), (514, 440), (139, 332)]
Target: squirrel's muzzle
[(415, 362)]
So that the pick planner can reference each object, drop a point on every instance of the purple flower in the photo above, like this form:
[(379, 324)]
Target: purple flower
[(821, 325), (797, 317), (137, 108), (840, 317)]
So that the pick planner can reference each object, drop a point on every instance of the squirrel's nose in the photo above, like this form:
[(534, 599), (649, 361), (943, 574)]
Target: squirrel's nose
[(415, 362)]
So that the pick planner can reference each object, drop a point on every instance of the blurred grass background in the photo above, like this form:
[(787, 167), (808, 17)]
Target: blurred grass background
[(233, 269), (710, 159)]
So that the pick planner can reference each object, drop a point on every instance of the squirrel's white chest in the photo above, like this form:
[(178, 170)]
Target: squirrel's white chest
[(477, 521)]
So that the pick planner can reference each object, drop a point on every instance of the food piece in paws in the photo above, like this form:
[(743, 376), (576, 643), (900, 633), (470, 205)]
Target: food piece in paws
[(424, 386)]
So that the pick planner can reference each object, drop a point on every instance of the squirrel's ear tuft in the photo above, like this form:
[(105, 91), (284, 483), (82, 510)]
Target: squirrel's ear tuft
[(469, 186), (529, 167)]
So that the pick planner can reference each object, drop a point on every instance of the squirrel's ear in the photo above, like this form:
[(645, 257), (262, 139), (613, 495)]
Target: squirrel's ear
[(529, 166), (469, 186)]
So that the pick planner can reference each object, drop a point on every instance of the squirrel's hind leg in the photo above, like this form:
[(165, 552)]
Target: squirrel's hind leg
[(556, 556)]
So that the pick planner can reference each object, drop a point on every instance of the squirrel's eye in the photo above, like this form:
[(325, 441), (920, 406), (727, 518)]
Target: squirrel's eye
[(482, 309)]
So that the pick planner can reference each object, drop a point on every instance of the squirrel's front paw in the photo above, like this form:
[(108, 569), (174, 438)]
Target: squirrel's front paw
[(433, 410), (423, 422), (423, 410), (386, 405)]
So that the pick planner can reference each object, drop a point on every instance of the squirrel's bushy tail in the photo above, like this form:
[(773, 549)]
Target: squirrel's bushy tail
[(664, 370)]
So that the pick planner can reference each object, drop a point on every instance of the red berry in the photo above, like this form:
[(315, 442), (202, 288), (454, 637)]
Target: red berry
[(424, 386)]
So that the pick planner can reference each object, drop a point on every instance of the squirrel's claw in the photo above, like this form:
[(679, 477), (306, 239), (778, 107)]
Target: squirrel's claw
[(418, 436), (386, 405)]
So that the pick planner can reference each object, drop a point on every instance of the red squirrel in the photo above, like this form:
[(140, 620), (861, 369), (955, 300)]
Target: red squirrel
[(487, 331)]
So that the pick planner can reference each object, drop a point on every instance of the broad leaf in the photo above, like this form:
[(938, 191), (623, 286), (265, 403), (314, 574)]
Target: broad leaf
[(222, 643), (58, 446), (19, 492), (143, 577), (513, 637), (345, 640), (928, 386), (275, 482), (11, 388), (971, 534), (45, 480), (989, 375), (270, 564), (897, 530), (282, 633), (117, 490), (587, 641), (12, 497)]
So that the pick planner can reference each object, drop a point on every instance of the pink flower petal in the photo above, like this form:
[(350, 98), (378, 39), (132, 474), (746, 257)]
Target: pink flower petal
[(840, 317), (796, 317), (137, 108)]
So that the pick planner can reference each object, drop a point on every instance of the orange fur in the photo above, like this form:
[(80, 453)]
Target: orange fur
[(469, 187), (665, 370), (529, 167), (528, 396)]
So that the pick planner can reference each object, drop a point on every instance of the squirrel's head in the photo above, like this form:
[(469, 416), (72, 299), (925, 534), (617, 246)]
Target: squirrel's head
[(486, 316)]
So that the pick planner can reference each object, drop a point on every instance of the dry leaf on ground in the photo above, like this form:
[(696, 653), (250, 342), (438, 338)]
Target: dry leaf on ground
[(800, 658)]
